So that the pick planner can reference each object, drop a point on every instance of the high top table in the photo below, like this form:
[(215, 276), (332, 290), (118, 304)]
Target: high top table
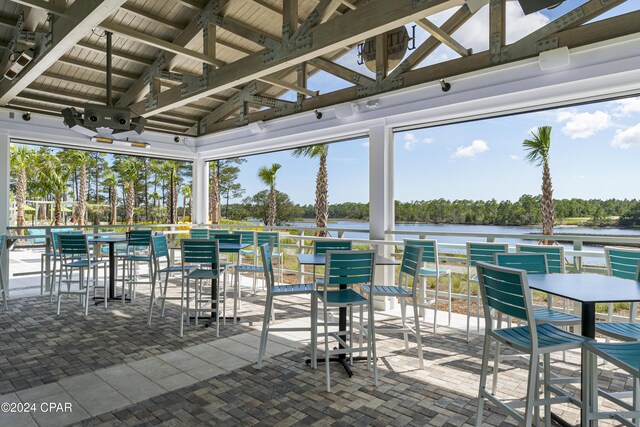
[(111, 241), (315, 260), (589, 290)]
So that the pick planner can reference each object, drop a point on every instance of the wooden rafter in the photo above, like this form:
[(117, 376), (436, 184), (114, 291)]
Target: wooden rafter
[(46, 6), (443, 37), (585, 34), (70, 29), (372, 18), (342, 72)]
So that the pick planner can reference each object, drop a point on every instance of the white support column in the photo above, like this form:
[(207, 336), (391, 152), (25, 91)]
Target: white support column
[(5, 157), (200, 192), (381, 198)]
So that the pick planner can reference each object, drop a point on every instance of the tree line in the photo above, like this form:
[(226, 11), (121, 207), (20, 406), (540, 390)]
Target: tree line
[(99, 187)]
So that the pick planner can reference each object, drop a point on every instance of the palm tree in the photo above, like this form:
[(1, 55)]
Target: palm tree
[(79, 159), (171, 168), (128, 170), (268, 176), (54, 176), (186, 194), (111, 181), (21, 157), (214, 193), (322, 182), (537, 148)]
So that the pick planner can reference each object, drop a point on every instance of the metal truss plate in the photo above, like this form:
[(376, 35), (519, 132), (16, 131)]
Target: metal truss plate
[(419, 3), (547, 44), (301, 43), (151, 102), (568, 19)]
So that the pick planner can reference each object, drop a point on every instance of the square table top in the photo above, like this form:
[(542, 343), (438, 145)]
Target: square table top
[(313, 259), (109, 239), (586, 288)]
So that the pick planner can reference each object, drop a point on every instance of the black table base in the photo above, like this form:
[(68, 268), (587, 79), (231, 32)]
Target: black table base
[(115, 298), (341, 360)]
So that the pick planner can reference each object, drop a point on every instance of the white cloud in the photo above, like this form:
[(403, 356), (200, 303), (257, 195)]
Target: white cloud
[(475, 32), (583, 125), (411, 140), (626, 107), (627, 138), (365, 144), (476, 147), (514, 157)]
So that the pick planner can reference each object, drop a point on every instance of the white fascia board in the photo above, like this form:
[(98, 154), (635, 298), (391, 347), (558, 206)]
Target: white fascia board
[(50, 130), (599, 71)]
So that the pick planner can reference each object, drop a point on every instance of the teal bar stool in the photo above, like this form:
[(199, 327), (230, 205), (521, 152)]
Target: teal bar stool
[(320, 247), (624, 356), (75, 255), (274, 291), (623, 263), (200, 262), (505, 291), (432, 269), (479, 252), (407, 287), (232, 239), (55, 257), (3, 288), (138, 251), (160, 256), (343, 270), (263, 237), (216, 231)]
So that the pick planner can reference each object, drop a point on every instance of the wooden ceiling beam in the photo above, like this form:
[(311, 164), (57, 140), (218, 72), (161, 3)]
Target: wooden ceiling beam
[(159, 43), (69, 30), (88, 83), (289, 86), (372, 18), (46, 6), (192, 4), (443, 37), (116, 53), (8, 22), (246, 32), (340, 71)]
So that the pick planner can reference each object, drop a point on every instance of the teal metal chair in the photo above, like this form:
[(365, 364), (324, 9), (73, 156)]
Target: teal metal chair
[(216, 231), (320, 247), (274, 291), (263, 237), (433, 270), (160, 256), (233, 239), (506, 291), (138, 251), (343, 270), (623, 263), (200, 261), (199, 233), (3, 287), (479, 252), (75, 255), (55, 257), (624, 356), (407, 287)]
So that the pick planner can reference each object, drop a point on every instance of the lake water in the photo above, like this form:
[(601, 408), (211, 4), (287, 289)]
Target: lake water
[(464, 228)]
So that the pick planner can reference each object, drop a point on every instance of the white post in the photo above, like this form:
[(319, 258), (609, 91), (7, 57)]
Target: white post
[(200, 192), (381, 199), (5, 163)]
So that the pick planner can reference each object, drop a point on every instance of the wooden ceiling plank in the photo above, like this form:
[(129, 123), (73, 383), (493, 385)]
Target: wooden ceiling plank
[(70, 29), (151, 17), (88, 83), (8, 22), (42, 5), (116, 53), (97, 68)]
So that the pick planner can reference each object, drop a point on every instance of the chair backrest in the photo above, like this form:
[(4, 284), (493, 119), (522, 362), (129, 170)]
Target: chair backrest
[(505, 290), (38, 232), (199, 233), (263, 237), (412, 259), (160, 247), (429, 249), (216, 231), (200, 251), (247, 237), (55, 232), (555, 255), (265, 255), (139, 239), (348, 268), (227, 238), (484, 252), (73, 245), (323, 246), (531, 263), (623, 262)]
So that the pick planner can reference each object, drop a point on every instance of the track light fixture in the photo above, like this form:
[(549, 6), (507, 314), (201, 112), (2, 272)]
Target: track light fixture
[(318, 114), (26, 116), (445, 86)]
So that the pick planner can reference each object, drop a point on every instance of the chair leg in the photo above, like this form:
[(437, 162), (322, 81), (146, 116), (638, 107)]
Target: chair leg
[(217, 314), (468, 306), (416, 319), (164, 294), (314, 330), (52, 281), (350, 326), (86, 292), (435, 308), (182, 305), (224, 295), (372, 343), (449, 299), (327, 365), (362, 329), (547, 393), (152, 299), (531, 388), (264, 335), (483, 379)]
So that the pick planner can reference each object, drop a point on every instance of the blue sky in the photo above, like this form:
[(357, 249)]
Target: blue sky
[(594, 147)]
